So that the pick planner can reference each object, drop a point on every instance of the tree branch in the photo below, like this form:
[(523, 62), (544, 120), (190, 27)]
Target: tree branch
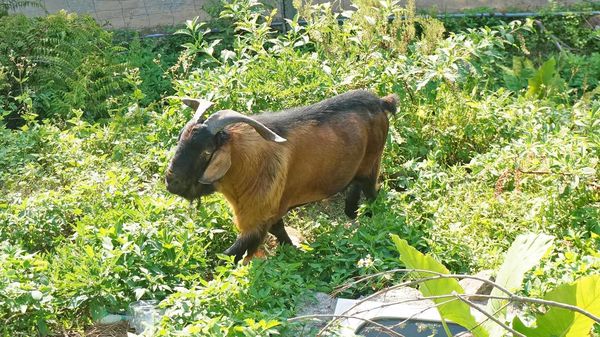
[(511, 297), (381, 326), (488, 315), (524, 299)]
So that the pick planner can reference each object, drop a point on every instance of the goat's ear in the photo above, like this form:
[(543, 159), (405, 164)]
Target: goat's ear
[(218, 166)]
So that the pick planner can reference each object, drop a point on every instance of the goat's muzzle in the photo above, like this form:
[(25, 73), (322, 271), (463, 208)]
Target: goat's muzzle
[(190, 190), (175, 184)]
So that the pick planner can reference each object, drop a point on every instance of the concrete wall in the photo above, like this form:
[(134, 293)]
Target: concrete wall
[(152, 13), (129, 13), (451, 6)]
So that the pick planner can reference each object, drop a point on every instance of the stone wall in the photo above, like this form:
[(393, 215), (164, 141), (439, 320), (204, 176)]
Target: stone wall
[(139, 14)]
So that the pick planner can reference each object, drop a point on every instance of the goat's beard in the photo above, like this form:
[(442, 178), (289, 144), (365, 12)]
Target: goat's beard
[(197, 191)]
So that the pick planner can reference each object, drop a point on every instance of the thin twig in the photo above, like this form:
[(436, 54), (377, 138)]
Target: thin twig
[(531, 300), (524, 299), (401, 285), (437, 274), (364, 278), (435, 305), (425, 309), (487, 318), (418, 299), (335, 317), (511, 296), (426, 298), (421, 298), (545, 172), (506, 327), (385, 328)]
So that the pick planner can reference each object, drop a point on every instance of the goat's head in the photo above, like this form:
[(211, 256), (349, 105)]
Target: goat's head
[(203, 153)]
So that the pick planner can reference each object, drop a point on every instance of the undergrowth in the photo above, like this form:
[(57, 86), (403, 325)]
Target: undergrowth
[(491, 140)]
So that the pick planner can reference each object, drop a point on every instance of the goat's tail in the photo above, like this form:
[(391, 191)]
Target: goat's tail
[(389, 102)]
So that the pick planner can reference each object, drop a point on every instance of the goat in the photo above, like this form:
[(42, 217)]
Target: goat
[(329, 146)]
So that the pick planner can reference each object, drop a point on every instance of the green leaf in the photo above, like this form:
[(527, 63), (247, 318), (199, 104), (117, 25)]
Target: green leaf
[(542, 78), (590, 171), (558, 322), (37, 295), (97, 311), (43, 328), (456, 311), (524, 253), (139, 292)]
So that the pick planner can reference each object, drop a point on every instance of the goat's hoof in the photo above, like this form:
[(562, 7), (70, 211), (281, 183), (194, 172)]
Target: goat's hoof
[(352, 214), (231, 252)]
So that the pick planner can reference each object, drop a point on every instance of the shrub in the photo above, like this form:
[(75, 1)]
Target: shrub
[(474, 157), (12, 5), (56, 64), (26, 296), (153, 57)]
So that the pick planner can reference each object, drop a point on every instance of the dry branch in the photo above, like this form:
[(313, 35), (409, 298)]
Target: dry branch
[(510, 298)]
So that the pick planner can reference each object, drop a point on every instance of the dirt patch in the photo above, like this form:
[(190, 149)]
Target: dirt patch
[(102, 330), (110, 330)]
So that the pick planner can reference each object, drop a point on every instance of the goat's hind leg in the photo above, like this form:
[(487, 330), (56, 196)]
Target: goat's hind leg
[(352, 198), (245, 243), (368, 186), (365, 181)]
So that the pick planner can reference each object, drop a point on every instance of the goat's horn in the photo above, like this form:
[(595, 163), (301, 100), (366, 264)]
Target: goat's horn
[(221, 119), (198, 105)]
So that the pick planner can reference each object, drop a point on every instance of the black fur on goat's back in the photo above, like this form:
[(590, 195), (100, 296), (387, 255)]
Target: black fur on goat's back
[(361, 102)]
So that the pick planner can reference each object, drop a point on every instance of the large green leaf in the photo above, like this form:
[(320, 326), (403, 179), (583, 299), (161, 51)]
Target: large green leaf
[(524, 253), (558, 322), (545, 81), (456, 311), (541, 78)]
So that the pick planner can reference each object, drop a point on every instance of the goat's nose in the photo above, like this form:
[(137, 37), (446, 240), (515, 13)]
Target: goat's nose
[(172, 181)]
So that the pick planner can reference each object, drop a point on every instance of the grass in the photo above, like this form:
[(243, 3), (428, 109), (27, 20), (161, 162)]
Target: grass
[(483, 148)]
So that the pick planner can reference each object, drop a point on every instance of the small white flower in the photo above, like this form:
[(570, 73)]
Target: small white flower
[(366, 262)]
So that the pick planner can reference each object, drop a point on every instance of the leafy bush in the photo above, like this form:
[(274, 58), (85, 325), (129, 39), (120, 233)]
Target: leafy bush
[(567, 32), (559, 27), (25, 301), (57, 64), (12, 5), (526, 251), (483, 148), (153, 57)]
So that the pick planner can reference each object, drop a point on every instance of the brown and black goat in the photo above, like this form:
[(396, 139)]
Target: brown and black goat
[(328, 146)]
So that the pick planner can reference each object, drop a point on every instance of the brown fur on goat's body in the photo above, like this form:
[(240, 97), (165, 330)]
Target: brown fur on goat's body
[(331, 145), (321, 157)]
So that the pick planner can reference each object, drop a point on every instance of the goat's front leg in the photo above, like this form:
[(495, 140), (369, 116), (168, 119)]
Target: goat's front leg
[(278, 229), (247, 242)]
